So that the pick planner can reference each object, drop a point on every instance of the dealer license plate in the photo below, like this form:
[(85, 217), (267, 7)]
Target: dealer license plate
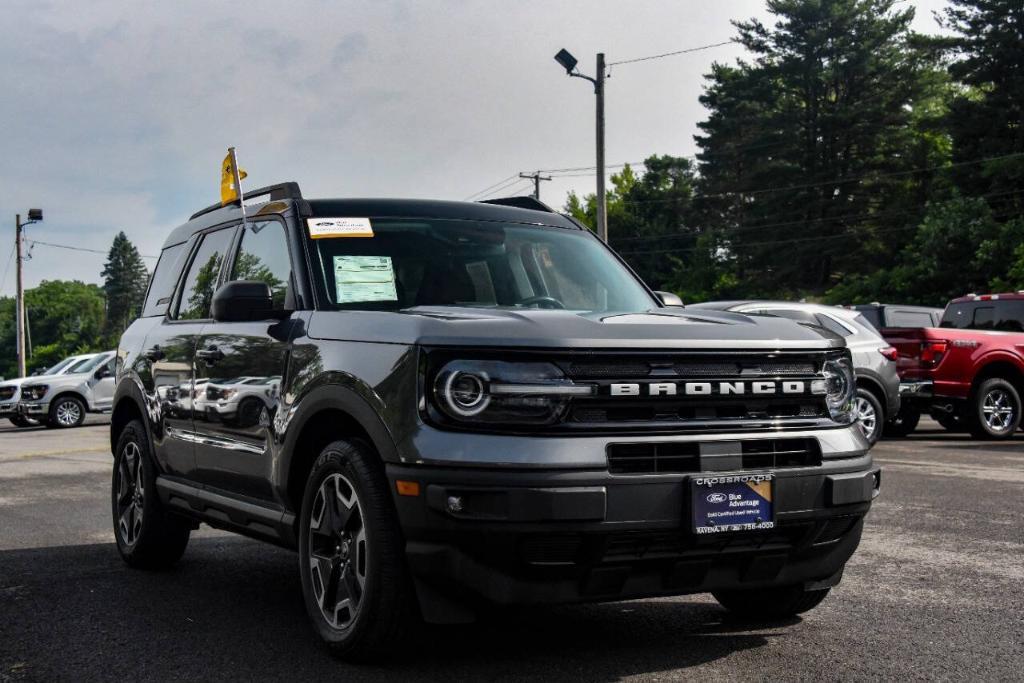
[(732, 502)]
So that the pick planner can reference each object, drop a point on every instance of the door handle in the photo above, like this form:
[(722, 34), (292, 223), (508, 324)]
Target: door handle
[(210, 354), (155, 353)]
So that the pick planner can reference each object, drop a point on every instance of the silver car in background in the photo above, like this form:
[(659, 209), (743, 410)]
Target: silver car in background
[(874, 360), (63, 400), (10, 391)]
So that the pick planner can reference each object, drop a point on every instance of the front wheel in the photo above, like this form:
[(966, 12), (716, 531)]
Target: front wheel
[(66, 411), (351, 555), (22, 421), (995, 410), (770, 603), (870, 415), (147, 535)]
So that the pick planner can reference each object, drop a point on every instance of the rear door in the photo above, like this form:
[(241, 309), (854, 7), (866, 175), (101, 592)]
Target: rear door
[(101, 386), (239, 365)]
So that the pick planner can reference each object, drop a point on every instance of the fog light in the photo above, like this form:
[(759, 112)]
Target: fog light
[(455, 504)]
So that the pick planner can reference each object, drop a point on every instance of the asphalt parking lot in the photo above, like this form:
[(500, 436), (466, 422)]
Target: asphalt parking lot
[(935, 591)]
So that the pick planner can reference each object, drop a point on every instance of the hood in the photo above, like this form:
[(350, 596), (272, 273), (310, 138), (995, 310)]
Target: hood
[(51, 379), (661, 328)]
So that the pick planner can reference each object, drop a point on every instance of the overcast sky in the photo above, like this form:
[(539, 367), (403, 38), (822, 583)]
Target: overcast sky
[(116, 115)]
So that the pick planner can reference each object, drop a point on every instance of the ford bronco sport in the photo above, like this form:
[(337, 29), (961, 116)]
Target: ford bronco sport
[(476, 404)]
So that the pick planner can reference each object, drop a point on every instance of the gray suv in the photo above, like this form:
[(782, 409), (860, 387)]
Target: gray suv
[(476, 404), (874, 359)]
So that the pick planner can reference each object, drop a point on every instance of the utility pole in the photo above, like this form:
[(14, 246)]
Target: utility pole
[(602, 207), (19, 306), (568, 62), (34, 216), (536, 178)]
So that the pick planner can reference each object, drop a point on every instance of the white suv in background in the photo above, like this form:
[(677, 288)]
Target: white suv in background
[(10, 391), (63, 400)]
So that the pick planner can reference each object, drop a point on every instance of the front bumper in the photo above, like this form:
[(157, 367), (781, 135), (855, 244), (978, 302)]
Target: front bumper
[(520, 537), (33, 408), (8, 408)]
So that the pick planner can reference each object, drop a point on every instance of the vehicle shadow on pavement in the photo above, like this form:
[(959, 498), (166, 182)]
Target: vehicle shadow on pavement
[(232, 609)]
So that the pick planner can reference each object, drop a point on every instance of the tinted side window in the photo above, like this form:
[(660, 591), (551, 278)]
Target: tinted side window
[(195, 298), (161, 287), (1009, 316), (263, 256), (873, 316)]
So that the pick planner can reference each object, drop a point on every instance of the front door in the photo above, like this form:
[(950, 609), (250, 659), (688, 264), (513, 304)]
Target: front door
[(101, 386), (170, 349), (239, 370)]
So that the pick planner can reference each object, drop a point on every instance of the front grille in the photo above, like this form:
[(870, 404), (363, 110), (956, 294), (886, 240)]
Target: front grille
[(716, 409), (684, 457), (7, 393)]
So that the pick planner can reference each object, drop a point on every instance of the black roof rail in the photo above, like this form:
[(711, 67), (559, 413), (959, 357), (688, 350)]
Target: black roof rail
[(289, 190), (526, 202)]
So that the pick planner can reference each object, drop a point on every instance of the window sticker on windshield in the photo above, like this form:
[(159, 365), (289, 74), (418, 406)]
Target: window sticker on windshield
[(364, 278), (320, 228)]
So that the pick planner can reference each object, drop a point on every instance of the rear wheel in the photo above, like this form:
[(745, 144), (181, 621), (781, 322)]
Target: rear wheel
[(904, 422), (770, 603), (147, 535), (66, 411), (995, 410), (351, 555), (870, 415)]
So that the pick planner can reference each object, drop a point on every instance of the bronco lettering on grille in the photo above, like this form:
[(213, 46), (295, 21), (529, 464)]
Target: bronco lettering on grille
[(758, 388)]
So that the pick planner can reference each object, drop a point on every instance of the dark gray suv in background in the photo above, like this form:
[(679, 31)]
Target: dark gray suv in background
[(476, 404)]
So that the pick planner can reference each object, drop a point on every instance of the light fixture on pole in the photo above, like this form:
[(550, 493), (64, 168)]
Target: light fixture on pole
[(34, 216), (568, 63)]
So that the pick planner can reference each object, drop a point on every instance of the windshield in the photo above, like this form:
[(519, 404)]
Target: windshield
[(408, 263), (88, 364), (55, 370)]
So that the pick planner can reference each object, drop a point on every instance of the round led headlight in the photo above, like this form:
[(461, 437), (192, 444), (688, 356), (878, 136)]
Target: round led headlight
[(464, 393)]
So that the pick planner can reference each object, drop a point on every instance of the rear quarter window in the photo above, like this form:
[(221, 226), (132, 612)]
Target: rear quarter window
[(909, 319), (161, 286)]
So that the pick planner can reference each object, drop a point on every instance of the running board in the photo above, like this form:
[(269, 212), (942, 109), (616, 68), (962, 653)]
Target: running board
[(226, 512)]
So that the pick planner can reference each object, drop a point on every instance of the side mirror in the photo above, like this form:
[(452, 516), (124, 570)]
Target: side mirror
[(101, 372), (669, 299), (244, 301)]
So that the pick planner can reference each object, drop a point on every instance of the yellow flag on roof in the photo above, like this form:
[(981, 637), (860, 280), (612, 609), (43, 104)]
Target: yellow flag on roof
[(229, 180)]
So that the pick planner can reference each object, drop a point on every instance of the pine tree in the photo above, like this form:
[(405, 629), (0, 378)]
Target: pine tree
[(125, 279), (811, 153)]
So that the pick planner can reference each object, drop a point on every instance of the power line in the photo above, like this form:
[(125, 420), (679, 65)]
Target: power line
[(73, 248), (854, 218), (515, 180), (489, 187), (672, 54)]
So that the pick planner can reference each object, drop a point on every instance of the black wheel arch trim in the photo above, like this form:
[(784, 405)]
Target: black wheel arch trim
[(129, 389), (332, 397)]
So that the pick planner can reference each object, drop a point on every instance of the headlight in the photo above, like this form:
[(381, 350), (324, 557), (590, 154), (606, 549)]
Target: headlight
[(499, 392), (34, 392), (839, 387)]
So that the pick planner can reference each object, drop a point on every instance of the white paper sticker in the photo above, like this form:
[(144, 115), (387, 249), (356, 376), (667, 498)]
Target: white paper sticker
[(320, 228), (364, 278)]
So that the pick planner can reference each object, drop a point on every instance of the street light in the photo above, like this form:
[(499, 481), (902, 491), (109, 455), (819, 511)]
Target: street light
[(34, 216), (568, 62)]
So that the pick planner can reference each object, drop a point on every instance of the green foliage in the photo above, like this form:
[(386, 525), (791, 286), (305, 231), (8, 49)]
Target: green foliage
[(125, 279), (65, 318)]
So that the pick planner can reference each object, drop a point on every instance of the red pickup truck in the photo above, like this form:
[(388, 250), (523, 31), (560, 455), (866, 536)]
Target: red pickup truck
[(969, 372)]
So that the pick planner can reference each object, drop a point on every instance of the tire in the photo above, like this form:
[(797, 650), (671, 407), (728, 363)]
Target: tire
[(995, 410), (22, 421), (148, 536), (770, 603), (360, 537), (66, 411), (870, 414), (904, 422), (949, 422)]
